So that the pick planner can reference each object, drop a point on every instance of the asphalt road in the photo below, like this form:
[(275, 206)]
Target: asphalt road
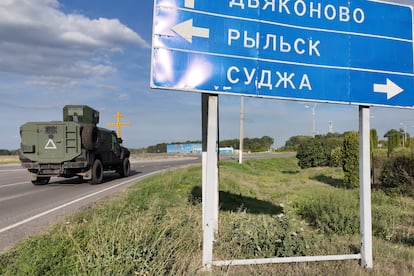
[(27, 210)]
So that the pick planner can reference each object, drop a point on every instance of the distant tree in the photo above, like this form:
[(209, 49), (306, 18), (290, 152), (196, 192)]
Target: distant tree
[(294, 142), (234, 143), (411, 143), (266, 142), (319, 151), (250, 144), (336, 157), (334, 135), (258, 144), (159, 148), (394, 140), (373, 139), (350, 162), (7, 152), (404, 138), (312, 153)]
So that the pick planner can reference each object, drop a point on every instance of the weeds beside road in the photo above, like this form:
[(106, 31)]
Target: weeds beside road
[(268, 207)]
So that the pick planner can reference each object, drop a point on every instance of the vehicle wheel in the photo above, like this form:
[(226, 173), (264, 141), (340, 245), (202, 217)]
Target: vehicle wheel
[(89, 137), (41, 181), (125, 168), (97, 172)]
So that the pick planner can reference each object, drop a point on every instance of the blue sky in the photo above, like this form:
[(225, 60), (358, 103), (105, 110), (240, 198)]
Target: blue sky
[(97, 52)]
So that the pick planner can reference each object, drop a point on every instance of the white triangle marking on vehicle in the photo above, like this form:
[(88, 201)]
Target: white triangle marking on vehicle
[(50, 144)]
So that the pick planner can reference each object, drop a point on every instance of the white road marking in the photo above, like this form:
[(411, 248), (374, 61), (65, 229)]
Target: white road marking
[(75, 201), (14, 184)]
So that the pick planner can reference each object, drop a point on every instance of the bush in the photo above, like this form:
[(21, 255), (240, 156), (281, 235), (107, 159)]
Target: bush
[(332, 213), (397, 176), (388, 217), (350, 162), (317, 152), (246, 236), (336, 157), (294, 142), (312, 154), (394, 140)]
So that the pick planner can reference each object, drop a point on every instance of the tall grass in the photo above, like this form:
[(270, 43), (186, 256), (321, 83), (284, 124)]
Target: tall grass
[(268, 208)]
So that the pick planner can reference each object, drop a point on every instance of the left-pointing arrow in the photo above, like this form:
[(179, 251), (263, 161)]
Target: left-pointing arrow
[(187, 31)]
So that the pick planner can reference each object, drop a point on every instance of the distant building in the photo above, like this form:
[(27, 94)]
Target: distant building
[(227, 150), (193, 148)]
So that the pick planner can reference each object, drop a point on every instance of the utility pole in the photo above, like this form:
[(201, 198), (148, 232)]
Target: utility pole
[(118, 123), (241, 130), (405, 133), (313, 119)]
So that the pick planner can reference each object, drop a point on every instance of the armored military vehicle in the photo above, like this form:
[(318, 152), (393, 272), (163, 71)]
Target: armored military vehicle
[(72, 147)]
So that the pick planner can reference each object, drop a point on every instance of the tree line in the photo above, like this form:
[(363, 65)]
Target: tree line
[(392, 161), (249, 144), (8, 152)]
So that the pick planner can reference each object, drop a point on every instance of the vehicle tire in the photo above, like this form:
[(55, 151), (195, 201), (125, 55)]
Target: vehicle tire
[(125, 168), (89, 137), (41, 181), (97, 172)]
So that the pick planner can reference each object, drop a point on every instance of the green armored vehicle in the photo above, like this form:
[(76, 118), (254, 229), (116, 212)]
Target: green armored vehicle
[(72, 147)]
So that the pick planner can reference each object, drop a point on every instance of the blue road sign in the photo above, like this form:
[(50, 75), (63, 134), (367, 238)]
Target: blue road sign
[(342, 52)]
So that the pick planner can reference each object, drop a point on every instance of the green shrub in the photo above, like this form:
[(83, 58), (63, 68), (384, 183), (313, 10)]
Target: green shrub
[(392, 218), (245, 235), (394, 140), (312, 153), (373, 139), (336, 157), (317, 152), (332, 213), (350, 165), (397, 176)]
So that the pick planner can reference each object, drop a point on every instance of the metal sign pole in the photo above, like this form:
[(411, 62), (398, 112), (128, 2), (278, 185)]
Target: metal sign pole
[(365, 188), (204, 117), (210, 187)]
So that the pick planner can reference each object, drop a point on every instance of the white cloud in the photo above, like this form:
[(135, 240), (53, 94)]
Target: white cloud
[(123, 97), (51, 48)]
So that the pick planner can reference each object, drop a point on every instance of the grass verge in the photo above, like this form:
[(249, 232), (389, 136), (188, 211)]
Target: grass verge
[(9, 159), (267, 208)]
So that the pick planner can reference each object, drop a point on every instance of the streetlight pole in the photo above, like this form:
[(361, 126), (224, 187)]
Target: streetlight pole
[(405, 133), (330, 126), (313, 119), (241, 130)]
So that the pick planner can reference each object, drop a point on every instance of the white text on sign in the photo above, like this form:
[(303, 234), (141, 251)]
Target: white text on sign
[(265, 78), (301, 8), (275, 43)]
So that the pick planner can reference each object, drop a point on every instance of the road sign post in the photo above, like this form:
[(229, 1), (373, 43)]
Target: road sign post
[(365, 188), (210, 178), (356, 52)]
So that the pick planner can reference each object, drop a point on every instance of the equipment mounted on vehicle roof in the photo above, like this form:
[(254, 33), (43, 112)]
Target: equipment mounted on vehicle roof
[(72, 147)]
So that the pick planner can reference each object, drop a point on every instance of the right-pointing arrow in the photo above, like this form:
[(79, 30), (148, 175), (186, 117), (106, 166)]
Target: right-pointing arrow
[(390, 88), (187, 30)]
